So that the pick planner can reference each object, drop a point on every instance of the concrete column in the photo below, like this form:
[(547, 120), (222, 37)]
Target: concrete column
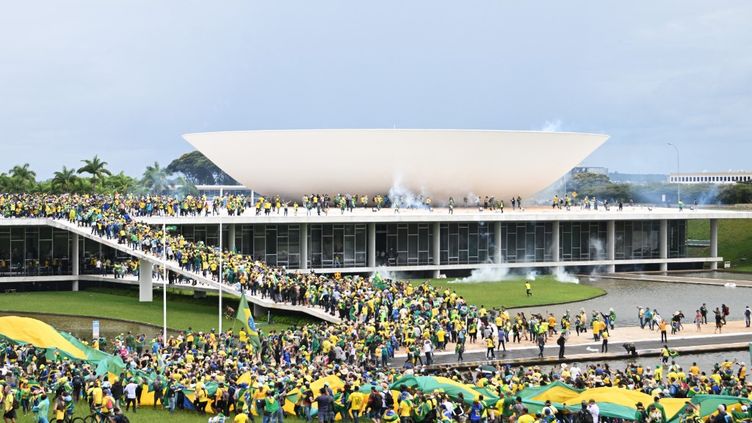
[(231, 237), (555, 243), (145, 293), (663, 244), (497, 243), (436, 248), (75, 258), (611, 245), (304, 246), (371, 245), (714, 242)]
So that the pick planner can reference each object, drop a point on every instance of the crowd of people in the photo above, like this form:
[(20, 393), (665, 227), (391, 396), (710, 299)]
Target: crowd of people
[(378, 320)]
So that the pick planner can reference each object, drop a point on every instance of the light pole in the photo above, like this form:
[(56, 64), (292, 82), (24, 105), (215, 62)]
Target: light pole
[(220, 272), (678, 181), (164, 284)]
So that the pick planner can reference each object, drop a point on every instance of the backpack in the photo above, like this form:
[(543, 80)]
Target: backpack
[(389, 400), (583, 416)]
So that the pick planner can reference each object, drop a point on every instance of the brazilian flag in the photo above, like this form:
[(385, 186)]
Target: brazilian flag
[(246, 317), (379, 282)]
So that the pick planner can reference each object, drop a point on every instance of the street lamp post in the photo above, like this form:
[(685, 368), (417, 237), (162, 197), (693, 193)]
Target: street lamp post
[(164, 284), (678, 181), (221, 196), (220, 272)]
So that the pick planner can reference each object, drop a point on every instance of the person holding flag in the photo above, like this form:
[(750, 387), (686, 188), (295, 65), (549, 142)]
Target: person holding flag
[(246, 317)]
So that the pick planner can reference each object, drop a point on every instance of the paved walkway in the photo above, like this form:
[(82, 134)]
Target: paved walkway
[(686, 278), (584, 344)]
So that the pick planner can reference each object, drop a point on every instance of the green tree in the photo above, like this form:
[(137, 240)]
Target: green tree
[(738, 193), (156, 179), (64, 180), (199, 170), (96, 168), (20, 179), (120, 183)]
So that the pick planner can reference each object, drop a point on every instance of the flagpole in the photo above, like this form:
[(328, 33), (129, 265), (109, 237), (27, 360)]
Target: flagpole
[(164, 284)]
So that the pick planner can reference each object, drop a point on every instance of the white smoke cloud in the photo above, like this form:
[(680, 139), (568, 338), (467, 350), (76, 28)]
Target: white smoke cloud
[(485, 274), (385, 273), (552, 126), (600, 250), (401, 196), (563, 276)]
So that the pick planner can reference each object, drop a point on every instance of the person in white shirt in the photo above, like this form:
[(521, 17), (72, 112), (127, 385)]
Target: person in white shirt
[(428, 349), (130, 395), (594, 410)]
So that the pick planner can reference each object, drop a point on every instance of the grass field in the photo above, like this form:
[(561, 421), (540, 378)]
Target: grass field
[(149, 415), (511, 293), (734, 241), (122, 303)]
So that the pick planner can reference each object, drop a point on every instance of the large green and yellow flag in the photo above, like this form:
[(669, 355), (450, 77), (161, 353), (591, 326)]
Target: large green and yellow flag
[(246, 317)]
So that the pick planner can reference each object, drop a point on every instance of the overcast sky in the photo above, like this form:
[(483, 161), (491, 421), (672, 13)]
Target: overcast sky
[(124, 79)]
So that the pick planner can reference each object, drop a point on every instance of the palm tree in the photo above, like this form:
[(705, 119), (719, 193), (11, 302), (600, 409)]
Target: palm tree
[(121, 183), (21, 178), (64, 180), (156, 179), (96, 168), (23, 173)]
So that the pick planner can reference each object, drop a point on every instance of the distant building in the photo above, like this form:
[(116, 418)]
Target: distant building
[(710, 177), (637, 178), (211, 191), (589, 169)]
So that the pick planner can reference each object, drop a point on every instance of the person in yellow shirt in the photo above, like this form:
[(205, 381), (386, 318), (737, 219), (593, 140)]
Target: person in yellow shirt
[(96, 395), (405, 410), (356, 404), (241, 418), (525, 417), (9, 413), (441, 338)]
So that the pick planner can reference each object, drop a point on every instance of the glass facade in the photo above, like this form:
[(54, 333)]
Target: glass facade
[(208, 234), (637, 239), (466, 243), (278, 245), (524, 242), (677, 238), (42, 250), (336, 245), (404, 244), (91, 251), (34, 250), (581, 241)]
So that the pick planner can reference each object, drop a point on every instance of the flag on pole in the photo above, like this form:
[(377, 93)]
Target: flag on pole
[(246, 317)]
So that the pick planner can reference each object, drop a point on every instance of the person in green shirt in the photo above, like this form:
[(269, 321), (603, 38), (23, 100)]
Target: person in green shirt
[(641, 416), (659, 406), (271, 406)]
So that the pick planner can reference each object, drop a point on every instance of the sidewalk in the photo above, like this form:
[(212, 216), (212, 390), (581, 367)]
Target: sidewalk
[(619, 335)]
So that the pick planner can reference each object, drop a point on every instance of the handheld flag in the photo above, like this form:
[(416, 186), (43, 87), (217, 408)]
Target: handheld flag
[(246, 317), (378, 282)]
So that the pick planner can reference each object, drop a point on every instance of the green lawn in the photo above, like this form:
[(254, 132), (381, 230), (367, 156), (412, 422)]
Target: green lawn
[(149, 415), (511, 293), (734, 241), (122, 303)]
